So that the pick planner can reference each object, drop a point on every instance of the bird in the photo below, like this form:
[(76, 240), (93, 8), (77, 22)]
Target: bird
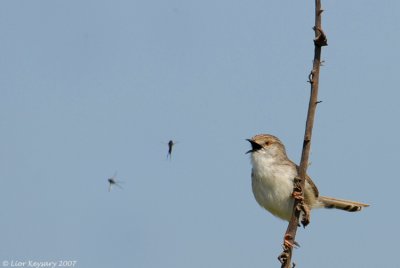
[(113, 182), (272, 178)]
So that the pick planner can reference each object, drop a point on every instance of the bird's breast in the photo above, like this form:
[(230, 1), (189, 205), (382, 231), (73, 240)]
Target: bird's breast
[(273, 186)]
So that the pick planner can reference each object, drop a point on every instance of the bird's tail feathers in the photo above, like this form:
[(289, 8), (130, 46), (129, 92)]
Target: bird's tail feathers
[(347, 205)]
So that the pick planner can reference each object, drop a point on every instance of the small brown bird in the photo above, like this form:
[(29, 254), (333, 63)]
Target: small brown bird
[(272, 180)]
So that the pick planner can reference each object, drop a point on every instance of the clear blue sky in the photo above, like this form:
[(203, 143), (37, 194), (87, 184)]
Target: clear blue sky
[(93, 87)]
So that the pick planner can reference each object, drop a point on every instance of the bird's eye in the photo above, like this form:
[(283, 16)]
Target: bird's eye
[(267, 143)]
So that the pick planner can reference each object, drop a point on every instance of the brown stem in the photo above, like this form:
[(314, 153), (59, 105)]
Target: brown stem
[(299, 208)]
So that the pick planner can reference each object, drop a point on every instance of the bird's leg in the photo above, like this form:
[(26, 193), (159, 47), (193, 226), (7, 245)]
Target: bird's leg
[(301, 207), (305, 220)]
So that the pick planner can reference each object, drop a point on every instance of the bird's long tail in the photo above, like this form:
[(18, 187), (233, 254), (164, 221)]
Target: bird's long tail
[(347, 205)]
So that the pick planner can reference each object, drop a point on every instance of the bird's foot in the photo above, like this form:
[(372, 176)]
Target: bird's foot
[(289, 242)]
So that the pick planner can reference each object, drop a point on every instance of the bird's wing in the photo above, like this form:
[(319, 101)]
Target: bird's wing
[(310, 182)]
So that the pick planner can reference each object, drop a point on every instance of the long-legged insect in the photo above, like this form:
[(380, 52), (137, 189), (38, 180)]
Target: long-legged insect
[(113, 182), (171, 144)]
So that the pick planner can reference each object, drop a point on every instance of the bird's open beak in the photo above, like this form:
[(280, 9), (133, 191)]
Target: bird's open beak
[(254, 146)]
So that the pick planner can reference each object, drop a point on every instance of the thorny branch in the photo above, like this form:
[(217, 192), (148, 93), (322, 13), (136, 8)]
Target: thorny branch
[(299, 209)]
